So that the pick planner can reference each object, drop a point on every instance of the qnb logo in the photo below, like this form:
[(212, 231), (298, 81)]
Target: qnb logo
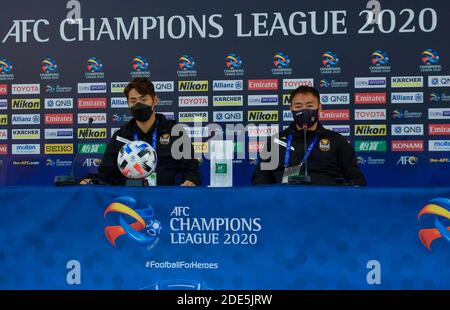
[(440, 207), (430, 57), (140, 64), (49, 65), (379, 58), (281, 60), (185, 62), (233, 61), (330, 59), (94, 65), (144, 230)]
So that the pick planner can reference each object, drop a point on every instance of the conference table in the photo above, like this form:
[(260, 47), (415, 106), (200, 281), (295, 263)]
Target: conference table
[(266, 237)]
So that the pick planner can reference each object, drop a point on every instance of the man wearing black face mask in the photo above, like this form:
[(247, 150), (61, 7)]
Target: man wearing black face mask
[(154, 129), (330, 158)]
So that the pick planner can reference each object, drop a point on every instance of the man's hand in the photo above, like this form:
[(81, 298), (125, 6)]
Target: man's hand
[(187, 183), (85, 181)]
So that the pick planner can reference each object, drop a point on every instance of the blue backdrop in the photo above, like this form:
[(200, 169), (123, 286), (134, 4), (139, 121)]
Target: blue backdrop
[(325, 44), (301, 240)]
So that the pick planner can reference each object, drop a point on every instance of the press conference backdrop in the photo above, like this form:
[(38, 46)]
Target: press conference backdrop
[(382, 69)]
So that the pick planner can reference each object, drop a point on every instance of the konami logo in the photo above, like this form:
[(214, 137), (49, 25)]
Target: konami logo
[(59, 119), (370, 98), (335, 115), (263, 84), (407, 146), (3, 149)]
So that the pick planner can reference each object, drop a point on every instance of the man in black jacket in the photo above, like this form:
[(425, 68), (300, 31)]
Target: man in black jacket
[(154, 129), (330, 158)]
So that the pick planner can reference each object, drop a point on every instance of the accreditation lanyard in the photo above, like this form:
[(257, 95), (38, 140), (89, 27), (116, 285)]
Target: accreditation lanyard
[(154, 138), (287, 157)]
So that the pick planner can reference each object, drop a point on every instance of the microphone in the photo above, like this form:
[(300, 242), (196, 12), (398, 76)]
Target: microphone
[(64, 180)]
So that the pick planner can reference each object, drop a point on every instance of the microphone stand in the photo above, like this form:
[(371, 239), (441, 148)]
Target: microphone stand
[(302, 178)]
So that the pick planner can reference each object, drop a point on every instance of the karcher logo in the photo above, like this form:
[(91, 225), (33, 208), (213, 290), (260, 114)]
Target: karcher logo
[(3, 119), (406, 81), (27, 134), (228, 100), (118, 87), (189, 117), (26, 104), (263, 116), (91, 133), (370, 130), (192, 86), (59, 149)]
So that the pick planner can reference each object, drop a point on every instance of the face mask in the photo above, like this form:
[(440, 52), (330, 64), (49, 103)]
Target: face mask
[(141, 112), (306, 117)]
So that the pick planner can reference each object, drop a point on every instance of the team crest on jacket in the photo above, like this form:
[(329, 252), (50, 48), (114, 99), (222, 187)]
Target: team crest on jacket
[(324, 145), (165, 138)]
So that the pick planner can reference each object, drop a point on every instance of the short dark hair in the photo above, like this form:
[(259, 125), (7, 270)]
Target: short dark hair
[(305, 90), (143, 86)]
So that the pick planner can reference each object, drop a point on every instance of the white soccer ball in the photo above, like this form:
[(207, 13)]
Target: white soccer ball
[(137, 160)]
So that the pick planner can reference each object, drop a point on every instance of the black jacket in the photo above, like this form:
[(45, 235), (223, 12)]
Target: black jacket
[(331, 162), (167, 167)]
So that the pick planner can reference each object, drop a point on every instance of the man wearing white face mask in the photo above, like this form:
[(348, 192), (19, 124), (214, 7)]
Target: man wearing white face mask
[(329, 157), (153, 128)]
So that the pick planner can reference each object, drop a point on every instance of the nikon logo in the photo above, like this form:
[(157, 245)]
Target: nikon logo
[(3, 119), (263, 116), (370, 130), (26, 104), (92, 133), (59, 149), (192, 85)]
